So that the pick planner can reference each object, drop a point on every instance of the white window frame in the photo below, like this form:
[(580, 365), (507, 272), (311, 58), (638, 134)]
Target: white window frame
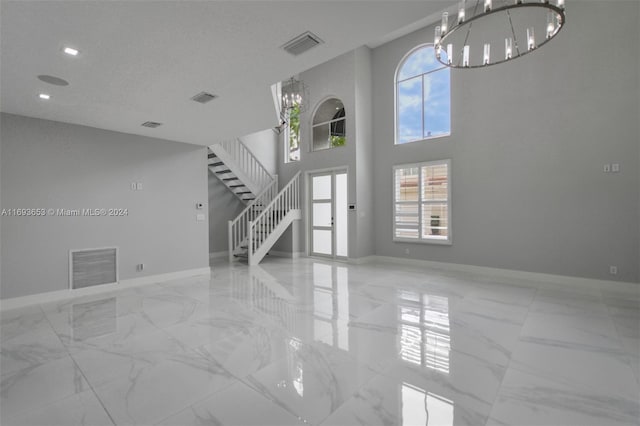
[(396, 99), (420, 202), (313, 126)]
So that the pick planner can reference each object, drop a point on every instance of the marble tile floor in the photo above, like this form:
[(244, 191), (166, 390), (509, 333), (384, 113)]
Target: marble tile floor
[(326, 343)]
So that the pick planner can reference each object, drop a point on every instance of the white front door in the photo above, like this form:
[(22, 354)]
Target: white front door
[(328, 214)]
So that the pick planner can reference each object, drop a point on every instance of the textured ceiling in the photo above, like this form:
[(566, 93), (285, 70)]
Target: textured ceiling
[(142, 60)]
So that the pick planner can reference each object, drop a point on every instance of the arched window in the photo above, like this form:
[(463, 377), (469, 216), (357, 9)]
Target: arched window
[(423, 96), (329, 125)]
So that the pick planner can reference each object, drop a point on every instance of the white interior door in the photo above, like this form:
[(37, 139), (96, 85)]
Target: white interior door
[(328, 214)]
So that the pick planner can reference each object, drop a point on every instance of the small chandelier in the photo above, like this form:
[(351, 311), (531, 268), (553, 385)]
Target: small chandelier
[(293, 95), (514, 23)]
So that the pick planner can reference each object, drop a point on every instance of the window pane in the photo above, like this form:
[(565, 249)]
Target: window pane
[(321, 138), (342, 234), (421, 61), (437, 104), (435, 183), (410, 110), (435, 221), (322, 242), (406, 214), (329, 110), (292, 134), (407, 232), (321, 214), (406, 184), (321, 187)]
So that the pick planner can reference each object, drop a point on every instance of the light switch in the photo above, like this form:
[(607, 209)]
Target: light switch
[(615, 167), (607, 168), (133, 186), (200, 217), (139, 186)]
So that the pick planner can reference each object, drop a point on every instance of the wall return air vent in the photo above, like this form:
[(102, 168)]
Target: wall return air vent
[(302, 43), (89, 267)]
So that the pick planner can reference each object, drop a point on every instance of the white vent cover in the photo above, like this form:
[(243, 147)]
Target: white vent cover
[(204, 97), (302, 43), (93, 267), (151, 124)]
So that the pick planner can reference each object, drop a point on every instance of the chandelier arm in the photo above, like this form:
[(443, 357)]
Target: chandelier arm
[(466, 37), (513, 32)]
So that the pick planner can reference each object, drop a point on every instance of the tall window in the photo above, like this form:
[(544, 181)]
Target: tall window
[(292, 135), (423, 97), (329, 125), (422, 202)]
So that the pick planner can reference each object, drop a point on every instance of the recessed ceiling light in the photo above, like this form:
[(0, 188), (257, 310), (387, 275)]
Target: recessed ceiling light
[(44, 96), (71, 51)]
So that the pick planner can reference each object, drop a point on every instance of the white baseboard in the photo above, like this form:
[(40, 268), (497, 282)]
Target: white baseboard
[(60, 295), (362, 260), (288, 255), (541, 278), (218, 254)]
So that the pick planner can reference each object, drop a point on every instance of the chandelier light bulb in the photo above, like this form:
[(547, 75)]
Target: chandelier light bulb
[(449, 53), (487, 5), (461, 11), (487, 54), (551, 24), (445, 23), (508, 48), (561, 4), (465, 56), (531, 38), (436, 37), (438, 52)]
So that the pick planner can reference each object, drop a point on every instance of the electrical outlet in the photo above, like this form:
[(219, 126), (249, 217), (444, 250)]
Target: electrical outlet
[(615, 167), (140, 267), (133, 186), (613, 270)]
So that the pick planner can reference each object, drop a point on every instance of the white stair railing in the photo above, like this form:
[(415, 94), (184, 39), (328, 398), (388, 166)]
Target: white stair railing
[(262, 227), (247, 162), (239, 227)]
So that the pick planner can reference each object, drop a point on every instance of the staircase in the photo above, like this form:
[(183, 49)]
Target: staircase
[(244, 175), (268, 212)]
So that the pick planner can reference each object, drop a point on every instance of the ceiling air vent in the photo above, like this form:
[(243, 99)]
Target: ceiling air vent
[(302, 43), (151, 124), (204, 97)]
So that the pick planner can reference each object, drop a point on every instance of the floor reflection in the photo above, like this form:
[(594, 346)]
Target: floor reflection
[(331, 304), (420, 407), (425, 333), (93, 319)]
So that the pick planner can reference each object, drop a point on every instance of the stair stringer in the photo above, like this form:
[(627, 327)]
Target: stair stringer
[(276, 233), (231, 164)]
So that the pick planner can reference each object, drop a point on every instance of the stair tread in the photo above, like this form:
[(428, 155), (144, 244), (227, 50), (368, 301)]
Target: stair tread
[(223, 171), (233, 178), (236, 186), (219, 163)]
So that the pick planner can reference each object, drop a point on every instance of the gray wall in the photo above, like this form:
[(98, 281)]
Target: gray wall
[(47, 164), (528, 144), (335, 78)]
